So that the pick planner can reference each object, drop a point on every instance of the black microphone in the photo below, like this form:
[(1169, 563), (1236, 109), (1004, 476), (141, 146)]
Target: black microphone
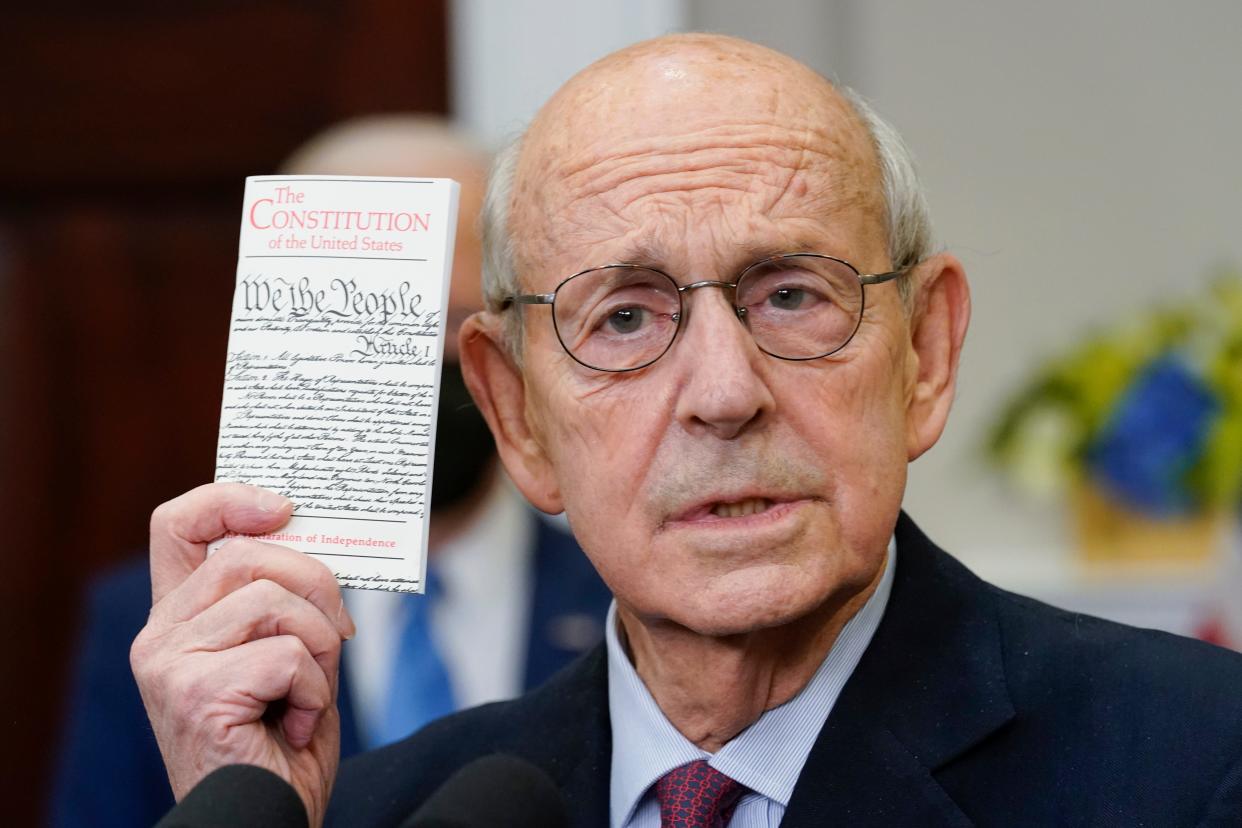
[(238, 796), (496, 790)]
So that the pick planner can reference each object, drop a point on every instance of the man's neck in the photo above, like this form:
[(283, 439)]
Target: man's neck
[(712, 688)]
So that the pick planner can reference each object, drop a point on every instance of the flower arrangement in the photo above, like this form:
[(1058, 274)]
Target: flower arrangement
[(1147, 413)]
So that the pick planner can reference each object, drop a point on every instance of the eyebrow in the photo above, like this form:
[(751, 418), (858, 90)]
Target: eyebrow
[(644, 252)]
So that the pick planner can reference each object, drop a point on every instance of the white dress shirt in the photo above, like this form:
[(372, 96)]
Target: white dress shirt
[(766, 757), (479, 624)]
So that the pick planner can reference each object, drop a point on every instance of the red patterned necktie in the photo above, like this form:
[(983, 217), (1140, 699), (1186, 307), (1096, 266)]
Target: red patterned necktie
[(696, 795)]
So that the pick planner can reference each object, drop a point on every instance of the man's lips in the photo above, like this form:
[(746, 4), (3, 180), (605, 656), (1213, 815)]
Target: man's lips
[(733, 507)]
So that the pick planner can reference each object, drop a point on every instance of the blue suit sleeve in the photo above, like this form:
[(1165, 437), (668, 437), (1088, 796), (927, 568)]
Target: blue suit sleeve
[(109, 771)]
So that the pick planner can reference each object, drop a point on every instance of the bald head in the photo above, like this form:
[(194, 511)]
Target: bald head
[(720, 113), (724, 74), (643, 97)]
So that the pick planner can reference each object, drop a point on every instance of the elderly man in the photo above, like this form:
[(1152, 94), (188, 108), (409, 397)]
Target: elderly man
[(716, 336)]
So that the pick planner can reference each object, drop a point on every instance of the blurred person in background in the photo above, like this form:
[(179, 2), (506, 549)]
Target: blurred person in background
[(511, 598)]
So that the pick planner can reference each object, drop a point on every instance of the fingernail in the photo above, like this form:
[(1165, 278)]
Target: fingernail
[(299, 729), (272, 502), (348, 630)]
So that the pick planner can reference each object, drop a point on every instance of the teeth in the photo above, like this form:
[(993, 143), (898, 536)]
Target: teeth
[(742, 508)]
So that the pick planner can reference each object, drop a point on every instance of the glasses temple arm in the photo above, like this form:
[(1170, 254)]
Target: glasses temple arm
[(528, 299), (880, 278)]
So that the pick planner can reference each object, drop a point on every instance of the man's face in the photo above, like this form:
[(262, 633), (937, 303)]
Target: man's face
[(719, 488)]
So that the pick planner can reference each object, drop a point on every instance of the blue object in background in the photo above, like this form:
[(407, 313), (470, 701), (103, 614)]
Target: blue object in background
[(1155, 435), (421, 689)]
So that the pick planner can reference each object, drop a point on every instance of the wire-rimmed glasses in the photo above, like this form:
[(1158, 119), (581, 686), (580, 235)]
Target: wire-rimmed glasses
[(622, 317)]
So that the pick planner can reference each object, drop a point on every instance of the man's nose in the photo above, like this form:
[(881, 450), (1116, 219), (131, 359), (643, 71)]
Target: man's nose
[(725, 390)]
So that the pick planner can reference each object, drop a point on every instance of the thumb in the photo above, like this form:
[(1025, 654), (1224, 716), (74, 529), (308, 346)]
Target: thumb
[(182, 527)]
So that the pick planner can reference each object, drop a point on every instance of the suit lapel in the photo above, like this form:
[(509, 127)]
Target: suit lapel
[(873, 780), (930, 686), (568, 733)]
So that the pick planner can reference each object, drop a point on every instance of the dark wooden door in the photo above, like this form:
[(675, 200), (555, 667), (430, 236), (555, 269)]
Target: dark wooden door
[(126, 130)]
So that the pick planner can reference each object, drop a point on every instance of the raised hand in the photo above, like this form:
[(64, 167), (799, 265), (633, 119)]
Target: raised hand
[(238, 660)]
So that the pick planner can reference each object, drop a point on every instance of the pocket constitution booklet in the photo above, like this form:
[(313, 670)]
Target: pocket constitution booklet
[(333, 371)]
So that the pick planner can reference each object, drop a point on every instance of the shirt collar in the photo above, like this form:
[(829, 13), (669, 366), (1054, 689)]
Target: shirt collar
[(768, 756)]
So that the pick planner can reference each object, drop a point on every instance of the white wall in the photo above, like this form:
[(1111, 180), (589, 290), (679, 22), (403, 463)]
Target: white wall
[(817, 32), (1083, 160), (509, 56)]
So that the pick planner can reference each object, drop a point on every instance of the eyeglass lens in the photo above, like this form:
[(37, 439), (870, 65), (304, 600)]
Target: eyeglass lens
[(622, 317)]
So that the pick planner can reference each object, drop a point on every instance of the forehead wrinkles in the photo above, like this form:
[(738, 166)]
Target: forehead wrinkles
[(770, 162), (623, 150), (664, 198), (603, 190)]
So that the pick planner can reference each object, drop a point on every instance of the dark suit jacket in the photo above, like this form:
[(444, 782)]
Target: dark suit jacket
[(111, 773), (971, 706)]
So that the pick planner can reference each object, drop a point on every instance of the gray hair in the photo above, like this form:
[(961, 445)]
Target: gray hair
[(908, 218), (500, 277)]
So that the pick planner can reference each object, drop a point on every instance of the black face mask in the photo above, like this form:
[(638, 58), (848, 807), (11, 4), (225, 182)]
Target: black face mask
[(464, 446)]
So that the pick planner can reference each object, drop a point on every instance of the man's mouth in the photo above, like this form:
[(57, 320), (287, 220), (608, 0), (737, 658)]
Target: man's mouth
[(741, 508), (735, 506)]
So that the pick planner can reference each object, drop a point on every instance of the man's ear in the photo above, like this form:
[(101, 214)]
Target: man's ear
[(937, 330), (499, 391)]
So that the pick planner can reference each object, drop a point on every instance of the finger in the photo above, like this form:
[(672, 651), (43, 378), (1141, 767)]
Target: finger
[(182, 527), (274, 669), (261, 609), (242, 561)]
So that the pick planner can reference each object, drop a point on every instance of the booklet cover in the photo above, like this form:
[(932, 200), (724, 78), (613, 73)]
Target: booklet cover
[(333, 371)]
